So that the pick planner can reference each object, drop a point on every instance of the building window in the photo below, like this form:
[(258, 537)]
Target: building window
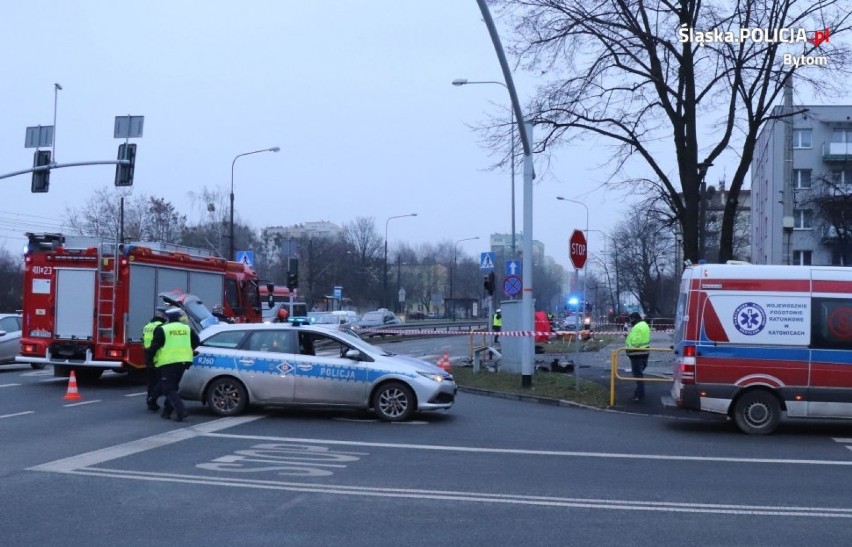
[(842, 177), (801, 179), (802, 138), (841, 136), (802, 258), (803, 219)]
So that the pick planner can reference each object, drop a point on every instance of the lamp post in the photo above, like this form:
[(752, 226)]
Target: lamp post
[(585, 277), (453, 271), (231, 228), (385, 287), (458, 82)]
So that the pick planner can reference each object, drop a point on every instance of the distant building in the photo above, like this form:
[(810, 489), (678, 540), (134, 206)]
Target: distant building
[(284, 240), (816, 229)]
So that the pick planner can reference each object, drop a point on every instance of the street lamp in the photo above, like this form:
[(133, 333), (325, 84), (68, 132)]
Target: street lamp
[(458, 82), (231, 235), (385, 288), (453, 270)]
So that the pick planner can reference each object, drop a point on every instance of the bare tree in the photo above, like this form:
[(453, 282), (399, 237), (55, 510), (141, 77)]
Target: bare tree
[(644, 247), (831, 200), (11, 281), (145, 218), (629, 71)]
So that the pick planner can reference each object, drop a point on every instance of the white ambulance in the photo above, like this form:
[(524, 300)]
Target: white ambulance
[(755, 342)]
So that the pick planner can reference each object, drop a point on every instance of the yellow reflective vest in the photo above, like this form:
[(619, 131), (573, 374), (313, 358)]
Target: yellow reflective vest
[(638, 338), (497, 322), (177, 347), (148, 333)]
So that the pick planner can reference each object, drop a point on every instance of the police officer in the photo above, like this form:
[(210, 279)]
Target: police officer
[(150, 371), (637, 343), (172, 345), (497, 324)]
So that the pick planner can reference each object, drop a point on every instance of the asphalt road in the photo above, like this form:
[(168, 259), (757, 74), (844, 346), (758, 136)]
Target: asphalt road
[(103, 471)]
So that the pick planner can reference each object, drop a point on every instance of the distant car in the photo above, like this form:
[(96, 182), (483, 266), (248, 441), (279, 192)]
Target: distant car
[(570, 322), (10, 339), (279, 364), (378, 318)]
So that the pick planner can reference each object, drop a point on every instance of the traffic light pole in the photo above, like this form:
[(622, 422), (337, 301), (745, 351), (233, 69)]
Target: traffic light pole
[(61, 165)]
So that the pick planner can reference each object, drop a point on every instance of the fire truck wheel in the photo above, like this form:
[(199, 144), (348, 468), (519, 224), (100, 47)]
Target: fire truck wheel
[(37, 366), (226, 396), (757, 412)]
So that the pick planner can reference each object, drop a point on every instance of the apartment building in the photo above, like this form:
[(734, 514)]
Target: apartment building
[(815, 227)]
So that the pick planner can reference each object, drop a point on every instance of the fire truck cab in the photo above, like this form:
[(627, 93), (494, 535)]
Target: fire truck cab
[(755, 342), (85, 300)]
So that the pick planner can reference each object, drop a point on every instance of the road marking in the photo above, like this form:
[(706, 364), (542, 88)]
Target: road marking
[(82, 464), (68, 465), (17, 414), (9, 385), (136, 394), (82, 403), (478, 497), (602, 455), (847, 442)]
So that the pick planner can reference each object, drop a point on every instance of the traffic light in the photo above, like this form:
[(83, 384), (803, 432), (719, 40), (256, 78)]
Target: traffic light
[(124, 173), (488, 283), (41, 179), (293, 273), (270, 298)]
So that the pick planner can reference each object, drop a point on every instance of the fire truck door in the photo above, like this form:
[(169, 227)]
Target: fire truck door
[(75, 303)]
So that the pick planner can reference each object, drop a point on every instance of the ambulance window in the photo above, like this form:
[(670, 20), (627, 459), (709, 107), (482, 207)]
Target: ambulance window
[(831, 323), (679, 312)]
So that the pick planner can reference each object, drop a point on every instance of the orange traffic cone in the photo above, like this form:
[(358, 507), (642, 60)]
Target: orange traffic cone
[(72, 394), (444, 362)]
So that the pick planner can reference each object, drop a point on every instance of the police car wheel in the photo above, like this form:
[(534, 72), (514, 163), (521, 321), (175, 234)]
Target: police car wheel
[(37, 366), (757, 413), (394, 402), (226, 397)]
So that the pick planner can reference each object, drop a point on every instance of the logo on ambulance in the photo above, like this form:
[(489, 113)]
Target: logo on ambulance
[(749, 318)]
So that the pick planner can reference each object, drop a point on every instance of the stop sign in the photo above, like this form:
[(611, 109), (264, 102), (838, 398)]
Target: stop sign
[(578, 249)]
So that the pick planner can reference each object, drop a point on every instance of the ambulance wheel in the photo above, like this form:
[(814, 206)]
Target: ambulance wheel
[(394, 402), (757, 412), (37, 366), (226, 396)]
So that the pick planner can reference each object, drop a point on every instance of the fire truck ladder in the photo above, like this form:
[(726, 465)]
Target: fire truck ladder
[(107, 271)]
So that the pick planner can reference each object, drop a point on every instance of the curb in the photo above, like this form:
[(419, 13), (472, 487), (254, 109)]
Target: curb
[(563, 403)]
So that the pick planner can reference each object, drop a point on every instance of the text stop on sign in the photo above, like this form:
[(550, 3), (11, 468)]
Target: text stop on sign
[(578, 249)]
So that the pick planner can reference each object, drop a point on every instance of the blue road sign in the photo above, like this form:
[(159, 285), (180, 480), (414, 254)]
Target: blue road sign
[(246, 257), (486, 262), (512, 285), (338, 292), (513, 267)]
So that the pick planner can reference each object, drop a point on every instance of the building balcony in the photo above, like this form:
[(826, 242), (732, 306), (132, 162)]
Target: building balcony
[(836, 151)]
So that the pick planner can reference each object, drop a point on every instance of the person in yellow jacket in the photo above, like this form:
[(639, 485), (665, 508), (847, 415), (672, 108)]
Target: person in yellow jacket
[(172, 345), (497, 324), (637, 343), (150, 371)]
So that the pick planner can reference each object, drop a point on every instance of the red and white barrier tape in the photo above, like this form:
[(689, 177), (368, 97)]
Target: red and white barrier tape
[(582, 333)]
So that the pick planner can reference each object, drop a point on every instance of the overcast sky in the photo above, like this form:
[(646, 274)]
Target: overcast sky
[(355, 92)]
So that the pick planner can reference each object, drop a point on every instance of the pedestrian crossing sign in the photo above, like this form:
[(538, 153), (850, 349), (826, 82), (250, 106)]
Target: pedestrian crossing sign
[(246, 257), (486, 262)]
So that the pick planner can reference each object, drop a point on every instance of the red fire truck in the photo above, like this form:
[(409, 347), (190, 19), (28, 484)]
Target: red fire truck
[(85, 300)]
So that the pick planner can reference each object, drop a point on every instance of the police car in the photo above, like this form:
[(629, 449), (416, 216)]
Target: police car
[(279, 364)]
